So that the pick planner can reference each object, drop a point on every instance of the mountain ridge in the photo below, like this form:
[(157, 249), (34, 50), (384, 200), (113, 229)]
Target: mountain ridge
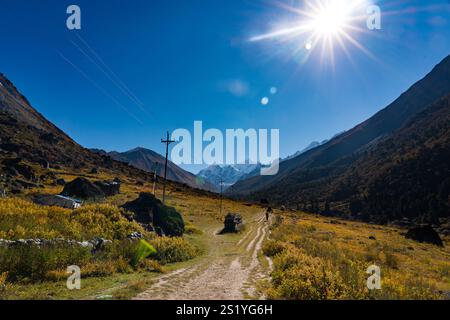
[(32, 148), (149, 161), (332, 159)]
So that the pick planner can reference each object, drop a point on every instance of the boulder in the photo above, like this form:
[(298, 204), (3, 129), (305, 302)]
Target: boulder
[(135, 236), (61, 182), (82, 188), (233, 223), (150, 211), (56, 201), (169, 220), (109, 188), (93, 171), (15, 167), (44, 164), (424, 233), (99, 244)]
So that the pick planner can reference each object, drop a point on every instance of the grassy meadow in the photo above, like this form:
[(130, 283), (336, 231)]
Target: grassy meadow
[(323, 258), (33, 273), (311, 257)]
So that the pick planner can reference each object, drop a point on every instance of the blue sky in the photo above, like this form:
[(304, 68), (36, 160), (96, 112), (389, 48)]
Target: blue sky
[(192, 60)]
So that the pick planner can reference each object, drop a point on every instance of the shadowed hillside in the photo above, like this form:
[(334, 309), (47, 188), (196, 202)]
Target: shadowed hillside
[(345, 174), (31, 147)]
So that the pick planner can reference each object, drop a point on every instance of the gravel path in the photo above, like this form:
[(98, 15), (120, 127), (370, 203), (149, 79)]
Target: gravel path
[(219, 276)]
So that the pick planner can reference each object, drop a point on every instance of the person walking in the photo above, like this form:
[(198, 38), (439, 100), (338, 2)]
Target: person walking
[(269, 211)]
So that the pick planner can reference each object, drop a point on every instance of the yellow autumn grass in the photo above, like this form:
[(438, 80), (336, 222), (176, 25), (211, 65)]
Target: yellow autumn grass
[(322, 258), (21, 219)]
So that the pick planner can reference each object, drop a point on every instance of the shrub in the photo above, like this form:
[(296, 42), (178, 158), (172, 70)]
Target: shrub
[(104, 221), (31, 262), (301, 277), (190, 229), (271, 248), (169, 250), (169, 220), (151, 266), (23, 219), (3, 277)]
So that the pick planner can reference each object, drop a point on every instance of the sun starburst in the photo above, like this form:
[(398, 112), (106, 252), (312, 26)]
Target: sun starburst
[(323, 24)]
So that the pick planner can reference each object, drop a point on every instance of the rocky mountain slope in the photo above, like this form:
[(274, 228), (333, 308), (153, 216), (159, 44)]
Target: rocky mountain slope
[(31, 147)]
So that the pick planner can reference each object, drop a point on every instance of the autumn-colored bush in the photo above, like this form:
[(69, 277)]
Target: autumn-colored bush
[(169, 250), (271, 248), (302, 277), (33, 263), (21, 219), (322, 262)]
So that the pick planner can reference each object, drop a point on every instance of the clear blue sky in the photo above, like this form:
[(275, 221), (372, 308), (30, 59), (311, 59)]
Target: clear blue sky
[(192, 60)]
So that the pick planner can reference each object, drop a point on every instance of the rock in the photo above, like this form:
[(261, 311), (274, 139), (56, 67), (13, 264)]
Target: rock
[(139, 183), (424, 233), (444, 229), (57, 201), (169, 220), (86, 244), (233, 223), (44, 164), (82, 188), (15, 167), (135, 236), (159, 231), (150, 211), (26, 184), (372, 238), (94, 171), (61, 182), (108, 188), (100, 243)]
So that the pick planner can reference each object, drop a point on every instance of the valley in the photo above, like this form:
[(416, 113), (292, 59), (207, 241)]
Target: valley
[(376, 195)]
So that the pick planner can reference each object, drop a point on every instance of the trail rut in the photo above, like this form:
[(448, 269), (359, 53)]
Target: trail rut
[(220, 275)]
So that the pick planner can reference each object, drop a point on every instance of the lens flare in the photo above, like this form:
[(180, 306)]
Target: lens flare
[(323, 24)]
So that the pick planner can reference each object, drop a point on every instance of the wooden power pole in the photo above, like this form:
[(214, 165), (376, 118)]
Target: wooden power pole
[(221, 191), (167, 142), (154, 179)]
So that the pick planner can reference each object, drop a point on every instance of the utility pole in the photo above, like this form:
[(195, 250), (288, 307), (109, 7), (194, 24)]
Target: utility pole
[(154, 179), (167, 142), (221, 189)]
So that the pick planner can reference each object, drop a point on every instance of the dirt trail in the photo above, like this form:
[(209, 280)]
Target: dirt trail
[(223, 274)]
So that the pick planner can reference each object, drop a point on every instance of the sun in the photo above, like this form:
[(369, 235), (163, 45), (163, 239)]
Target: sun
[(330, 20), (322, 24)]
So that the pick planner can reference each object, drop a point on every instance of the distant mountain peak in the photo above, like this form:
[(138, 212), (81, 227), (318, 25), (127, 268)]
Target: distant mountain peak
[(149, 160)]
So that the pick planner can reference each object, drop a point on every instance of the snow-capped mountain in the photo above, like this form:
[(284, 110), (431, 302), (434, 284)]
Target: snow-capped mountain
[(229, 174)]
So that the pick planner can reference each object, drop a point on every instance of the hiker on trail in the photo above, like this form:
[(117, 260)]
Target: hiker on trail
[(269, 211)]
